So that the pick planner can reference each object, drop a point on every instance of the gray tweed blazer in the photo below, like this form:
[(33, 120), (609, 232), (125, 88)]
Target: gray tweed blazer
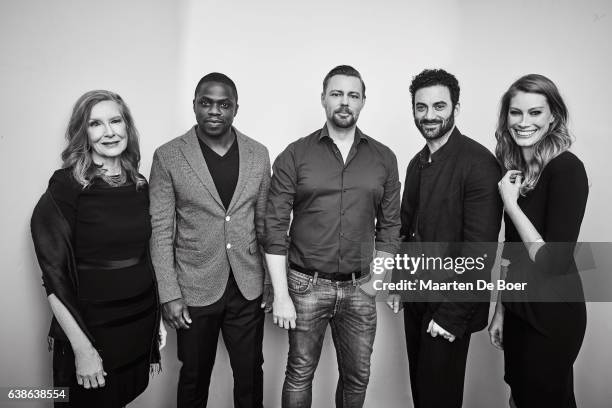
[(195, 240)]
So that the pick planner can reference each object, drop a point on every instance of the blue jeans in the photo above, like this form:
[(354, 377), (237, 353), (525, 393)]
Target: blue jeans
[(352, 316)]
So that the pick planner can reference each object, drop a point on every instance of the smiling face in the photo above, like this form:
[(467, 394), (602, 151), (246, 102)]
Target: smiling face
[(107, 131), (434, 114), (343, 100), (529, 119), (215, 107)]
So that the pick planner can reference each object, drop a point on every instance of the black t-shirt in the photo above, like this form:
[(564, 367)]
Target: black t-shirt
[(223, 169)]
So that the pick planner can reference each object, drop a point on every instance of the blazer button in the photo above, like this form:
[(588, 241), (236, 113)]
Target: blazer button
[(228, 246), (228, 218)]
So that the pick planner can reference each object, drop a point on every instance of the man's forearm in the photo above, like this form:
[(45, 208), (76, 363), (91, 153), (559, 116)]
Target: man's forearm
[(277, 268), (384, 256)]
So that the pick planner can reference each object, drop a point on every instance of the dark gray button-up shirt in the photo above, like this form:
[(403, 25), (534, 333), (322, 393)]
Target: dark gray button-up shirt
[(341, 211)]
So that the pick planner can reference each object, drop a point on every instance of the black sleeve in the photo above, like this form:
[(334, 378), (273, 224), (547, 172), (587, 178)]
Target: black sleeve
[(409, 198), (65, 191), (566, 202), (388, 213)]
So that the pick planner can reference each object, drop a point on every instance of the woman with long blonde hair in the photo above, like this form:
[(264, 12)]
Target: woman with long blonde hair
[(91, 233), (544, 191)]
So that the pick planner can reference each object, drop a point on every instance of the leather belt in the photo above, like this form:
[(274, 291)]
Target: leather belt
[(109, 264), (336, 277)]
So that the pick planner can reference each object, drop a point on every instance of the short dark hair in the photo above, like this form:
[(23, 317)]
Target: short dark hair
[(432, 77), (344, 70), (217, 77)]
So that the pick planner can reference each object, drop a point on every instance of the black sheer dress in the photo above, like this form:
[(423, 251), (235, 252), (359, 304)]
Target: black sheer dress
[(116, 286)]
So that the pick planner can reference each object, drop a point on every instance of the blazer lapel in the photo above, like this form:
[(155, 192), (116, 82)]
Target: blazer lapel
[(193, 153), (246, 164)]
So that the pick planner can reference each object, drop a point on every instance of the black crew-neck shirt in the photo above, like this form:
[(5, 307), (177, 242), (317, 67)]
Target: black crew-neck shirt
[(223, 169)]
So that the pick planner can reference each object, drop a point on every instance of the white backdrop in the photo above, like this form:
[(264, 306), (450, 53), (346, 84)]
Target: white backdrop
[(277, 52)]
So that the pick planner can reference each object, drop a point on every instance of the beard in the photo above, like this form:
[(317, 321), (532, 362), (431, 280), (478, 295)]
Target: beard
[(444, 127), (343, 123)]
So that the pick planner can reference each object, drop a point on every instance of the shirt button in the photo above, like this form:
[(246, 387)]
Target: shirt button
[(342, 212), (342, 234), (228, 246), (228, 218)]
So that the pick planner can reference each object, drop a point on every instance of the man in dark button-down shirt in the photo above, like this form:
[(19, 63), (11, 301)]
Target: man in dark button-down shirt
[(450, 196), (343, 189)]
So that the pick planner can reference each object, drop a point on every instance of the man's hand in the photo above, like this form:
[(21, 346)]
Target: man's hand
[(267, 298), (283, 312), (436, 330), (395, 303), (176, 314)]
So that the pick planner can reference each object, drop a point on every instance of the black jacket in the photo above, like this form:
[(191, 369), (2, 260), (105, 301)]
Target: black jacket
[(454, 199)]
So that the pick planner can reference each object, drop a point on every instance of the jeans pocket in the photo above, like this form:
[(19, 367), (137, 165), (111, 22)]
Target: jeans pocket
[(366, 294), (298, 286)]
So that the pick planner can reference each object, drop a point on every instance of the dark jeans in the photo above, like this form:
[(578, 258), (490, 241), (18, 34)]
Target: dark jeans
[(437, 366), (352, 316), (241, 324)]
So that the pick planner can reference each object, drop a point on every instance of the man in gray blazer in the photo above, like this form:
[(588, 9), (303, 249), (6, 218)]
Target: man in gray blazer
[(208, 193)]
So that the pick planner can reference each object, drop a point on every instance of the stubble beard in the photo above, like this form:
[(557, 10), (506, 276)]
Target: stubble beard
[(444, 128), (347, 123)]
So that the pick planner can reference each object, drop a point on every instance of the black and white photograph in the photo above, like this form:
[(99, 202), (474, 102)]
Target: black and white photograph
[(321, 204)]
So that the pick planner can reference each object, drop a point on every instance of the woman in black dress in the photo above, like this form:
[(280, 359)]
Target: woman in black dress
[(544, 192), (91, 231)]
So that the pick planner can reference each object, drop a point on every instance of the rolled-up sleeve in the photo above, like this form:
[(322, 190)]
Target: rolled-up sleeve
[(388, 222), (280, 203)]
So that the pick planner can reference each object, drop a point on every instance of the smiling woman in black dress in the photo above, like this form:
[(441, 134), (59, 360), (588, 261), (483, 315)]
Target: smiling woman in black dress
[(544, 193), (91, 231)]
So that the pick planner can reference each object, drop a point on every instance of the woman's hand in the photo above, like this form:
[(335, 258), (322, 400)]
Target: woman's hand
[(496, 329), (89, 370), (509, 187)]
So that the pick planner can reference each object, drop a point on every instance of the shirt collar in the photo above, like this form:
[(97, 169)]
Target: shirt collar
[(359, 135), (449, 148)]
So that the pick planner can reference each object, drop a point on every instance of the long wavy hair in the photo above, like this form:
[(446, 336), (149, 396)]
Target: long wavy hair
[(77, 155), (556, 141)]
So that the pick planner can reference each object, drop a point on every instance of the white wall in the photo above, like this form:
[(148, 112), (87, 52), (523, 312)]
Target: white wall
[(277, 52), (52, 52)]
